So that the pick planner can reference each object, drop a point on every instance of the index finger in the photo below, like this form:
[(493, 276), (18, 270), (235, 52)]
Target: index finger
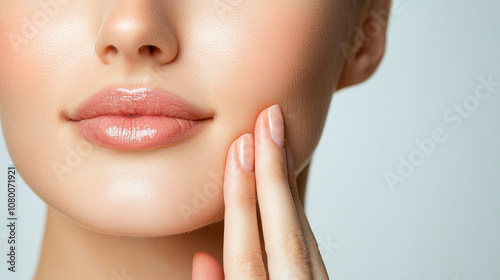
[(242, 249)]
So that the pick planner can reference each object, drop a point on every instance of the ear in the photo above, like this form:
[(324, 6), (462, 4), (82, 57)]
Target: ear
[(367, 46)]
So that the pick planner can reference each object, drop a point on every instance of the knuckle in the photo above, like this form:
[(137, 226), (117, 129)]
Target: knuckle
[(251, 264), (313, 243), (246, 199), (278, 170), (295, 192), (294, 244)]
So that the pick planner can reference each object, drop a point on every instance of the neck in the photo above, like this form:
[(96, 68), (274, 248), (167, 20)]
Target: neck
[(70, 251)]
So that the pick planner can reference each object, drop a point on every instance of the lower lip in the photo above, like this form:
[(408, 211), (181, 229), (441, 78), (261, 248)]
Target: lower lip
[(142, 132)]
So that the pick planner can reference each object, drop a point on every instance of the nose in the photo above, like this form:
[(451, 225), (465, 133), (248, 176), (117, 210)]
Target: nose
[(135, 31)]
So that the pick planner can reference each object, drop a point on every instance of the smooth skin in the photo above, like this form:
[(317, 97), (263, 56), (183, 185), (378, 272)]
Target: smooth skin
[(291, 249), (117, 215)]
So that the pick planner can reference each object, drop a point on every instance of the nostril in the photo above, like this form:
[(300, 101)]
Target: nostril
[(111, 51), (151, 48)]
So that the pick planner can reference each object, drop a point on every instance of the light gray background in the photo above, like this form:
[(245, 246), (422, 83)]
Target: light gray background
[(442, 222)]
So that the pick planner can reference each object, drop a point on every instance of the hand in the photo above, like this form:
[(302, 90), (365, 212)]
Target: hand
[(290, 246)]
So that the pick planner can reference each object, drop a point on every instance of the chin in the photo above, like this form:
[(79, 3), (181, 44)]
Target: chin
[(148, 193), (135, 206)]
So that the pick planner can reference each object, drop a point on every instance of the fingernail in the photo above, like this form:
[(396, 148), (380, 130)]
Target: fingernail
[(276, 126), (290, 164), (246, 152)]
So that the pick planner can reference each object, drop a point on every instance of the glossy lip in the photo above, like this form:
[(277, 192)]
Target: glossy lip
[(136, 118)]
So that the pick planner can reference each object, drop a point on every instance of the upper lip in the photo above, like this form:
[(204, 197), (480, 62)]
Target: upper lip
[(138, 100)]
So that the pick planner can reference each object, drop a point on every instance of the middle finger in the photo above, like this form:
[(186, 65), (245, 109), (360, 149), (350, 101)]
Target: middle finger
[(285, 244)]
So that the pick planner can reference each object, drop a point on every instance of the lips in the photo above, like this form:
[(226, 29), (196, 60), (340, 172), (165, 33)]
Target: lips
[(136, 118)]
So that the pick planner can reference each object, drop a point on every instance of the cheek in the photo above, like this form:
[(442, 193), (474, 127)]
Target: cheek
[(23, 76), (36, 60), (41, 50), (33, 70), (266, 54)]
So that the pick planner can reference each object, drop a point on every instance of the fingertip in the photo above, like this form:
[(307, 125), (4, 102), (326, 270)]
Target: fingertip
[(206, 267), (246, 152), (231, 160), (261, 123)]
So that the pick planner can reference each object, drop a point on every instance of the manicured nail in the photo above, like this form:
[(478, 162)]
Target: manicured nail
[(290, 165), (276, 126), (246, 152)]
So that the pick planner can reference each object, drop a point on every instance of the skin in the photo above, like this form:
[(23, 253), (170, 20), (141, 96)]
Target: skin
[(114, 212)]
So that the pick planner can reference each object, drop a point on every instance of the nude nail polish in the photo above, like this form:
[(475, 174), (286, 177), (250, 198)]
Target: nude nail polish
[(246, 152), (276, 125)]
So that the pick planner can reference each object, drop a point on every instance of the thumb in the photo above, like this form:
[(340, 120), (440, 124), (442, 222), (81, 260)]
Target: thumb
[(206, 267)]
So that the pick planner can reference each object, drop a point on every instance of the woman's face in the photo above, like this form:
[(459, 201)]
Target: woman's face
[(230, 58)]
